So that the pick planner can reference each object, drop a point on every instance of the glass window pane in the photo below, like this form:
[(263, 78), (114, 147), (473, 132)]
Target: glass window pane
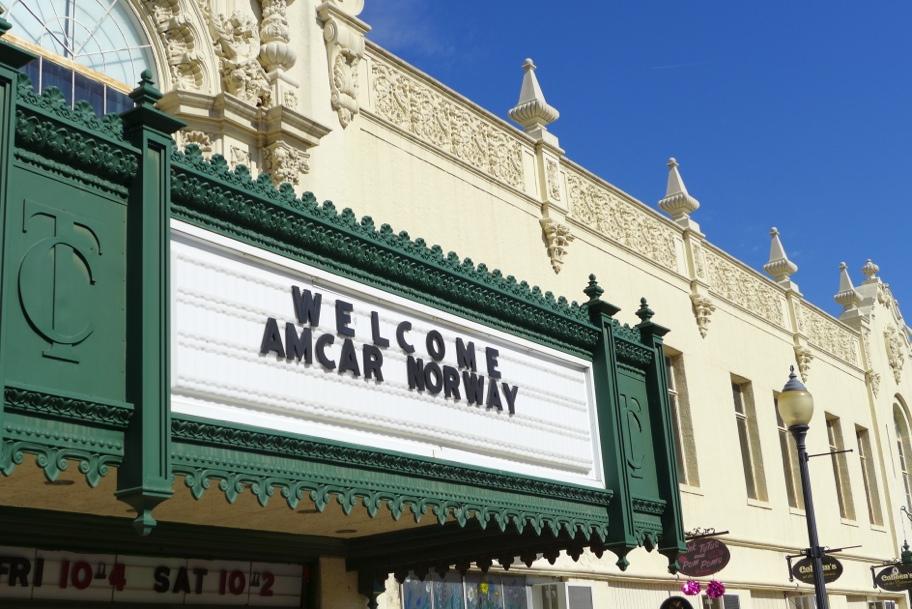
[(56, 75), (32, 70), (746, 459), (448, 592), (736, 395), (117, 102), (483, 592), (89, 90), (514, 591), (416, 594)]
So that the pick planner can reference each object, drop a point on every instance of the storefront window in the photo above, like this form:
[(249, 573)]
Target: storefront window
[(476, 591)]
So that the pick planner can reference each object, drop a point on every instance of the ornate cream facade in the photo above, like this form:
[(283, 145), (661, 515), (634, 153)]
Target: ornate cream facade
[(296, 88)]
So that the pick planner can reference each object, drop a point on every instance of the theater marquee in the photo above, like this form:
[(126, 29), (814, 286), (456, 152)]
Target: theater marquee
[(263, 341)]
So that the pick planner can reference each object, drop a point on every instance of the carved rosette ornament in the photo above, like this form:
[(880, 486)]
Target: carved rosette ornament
[(200, 138), (343, 33), (803, 357), (284, 163), (703, 308), (893, 340), (557, 238)]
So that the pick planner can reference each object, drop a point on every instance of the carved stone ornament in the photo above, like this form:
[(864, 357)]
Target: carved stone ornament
[(240, 155), (200, 138), (893, 340), (558, 239), (445, 123), (553, 175), (284, 163), (275, 52), (873, 379), (703, 308), (181, 41), (344, 37), (803, 357), (237, 45), (623, 221)]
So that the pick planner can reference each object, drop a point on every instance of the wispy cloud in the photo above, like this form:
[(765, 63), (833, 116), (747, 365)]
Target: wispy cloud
[(407, 26)]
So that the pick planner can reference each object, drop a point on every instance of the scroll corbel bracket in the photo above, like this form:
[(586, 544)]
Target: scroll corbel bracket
[(557, 238), (343, 34)]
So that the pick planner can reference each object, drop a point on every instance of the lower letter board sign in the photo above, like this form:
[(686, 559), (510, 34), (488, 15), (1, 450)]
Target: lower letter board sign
[(26, 573), (676, 602), (896, 578), (803, 570), (703, 557)]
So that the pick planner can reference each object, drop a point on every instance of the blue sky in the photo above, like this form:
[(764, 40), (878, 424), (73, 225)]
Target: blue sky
[(789, 114)]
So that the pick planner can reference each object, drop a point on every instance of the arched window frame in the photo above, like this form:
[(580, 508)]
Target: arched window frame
[(902, 428)]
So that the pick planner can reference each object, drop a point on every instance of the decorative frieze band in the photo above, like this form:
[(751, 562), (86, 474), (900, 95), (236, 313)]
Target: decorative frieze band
[(603, 211), (744, 288), (446, 124), (827, 334)]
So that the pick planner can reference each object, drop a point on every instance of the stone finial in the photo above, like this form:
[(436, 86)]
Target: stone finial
[(870, 270), (779, 266), (532, 112), (677, 202), (846, 296)]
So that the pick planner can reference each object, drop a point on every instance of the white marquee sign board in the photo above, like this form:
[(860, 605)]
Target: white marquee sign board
[(260, 340)]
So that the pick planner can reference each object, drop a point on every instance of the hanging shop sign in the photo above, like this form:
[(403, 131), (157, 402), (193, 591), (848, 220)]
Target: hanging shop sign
[(676, 602), (27, 573), (895, 578), (704, 556), (263, 341), (803, 570)]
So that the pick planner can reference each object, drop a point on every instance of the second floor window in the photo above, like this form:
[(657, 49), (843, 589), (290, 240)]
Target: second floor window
[(789, 462), (685, 446), (903, 452), (868, 476), (840, 468), (748, 437)]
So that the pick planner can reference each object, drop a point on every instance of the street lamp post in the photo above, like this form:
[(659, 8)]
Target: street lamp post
[(796, 406)]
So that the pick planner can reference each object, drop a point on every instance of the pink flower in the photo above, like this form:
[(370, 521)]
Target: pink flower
[(715, 588)]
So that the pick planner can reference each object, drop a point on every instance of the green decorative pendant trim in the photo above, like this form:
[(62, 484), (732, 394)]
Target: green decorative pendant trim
[(297, 480), (317, 450), (649, 506), (632, 353), (55, 444), (79, 409), (208, 194)]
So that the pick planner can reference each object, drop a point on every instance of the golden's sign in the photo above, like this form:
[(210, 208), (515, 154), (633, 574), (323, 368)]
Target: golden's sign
[(895, 578), (803, 570)]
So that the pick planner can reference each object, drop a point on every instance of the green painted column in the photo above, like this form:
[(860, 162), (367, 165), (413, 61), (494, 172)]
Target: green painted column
[(651, 334), (145, 478), (11, 59), (604, 366)]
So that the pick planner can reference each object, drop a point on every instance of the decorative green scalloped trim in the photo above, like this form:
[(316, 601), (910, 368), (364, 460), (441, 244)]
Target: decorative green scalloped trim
[(320, 470)]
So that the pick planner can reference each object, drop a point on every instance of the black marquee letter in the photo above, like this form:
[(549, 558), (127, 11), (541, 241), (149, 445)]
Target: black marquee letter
[(343, 318), (415, 369), (348, 361), (474, 388), (272, 340), (401, 329), (373, 362), (510, 394), (451, 383), (298, 346), (375, 333), (465, 355), (306, 306), (435, 347), (324, 341), (491, 356), (433, 378), (493, 400)]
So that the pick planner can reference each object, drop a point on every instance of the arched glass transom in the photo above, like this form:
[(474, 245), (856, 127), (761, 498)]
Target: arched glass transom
[(103, 35)]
